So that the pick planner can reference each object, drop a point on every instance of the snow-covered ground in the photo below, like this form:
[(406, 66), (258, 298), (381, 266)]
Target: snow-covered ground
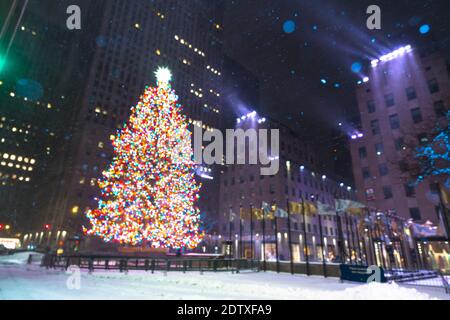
[(21, 281)]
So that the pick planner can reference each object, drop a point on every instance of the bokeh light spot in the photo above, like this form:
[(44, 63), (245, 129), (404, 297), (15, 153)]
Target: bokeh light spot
[(356, 67), (289, 26), (424, 29)]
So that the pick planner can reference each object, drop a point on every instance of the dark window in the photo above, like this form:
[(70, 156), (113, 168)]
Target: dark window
[(423, 138), (362, 153), (411, 93), (375, 125), (387, 191), (439, 108), (433, 86), (410, 191), (389, 99), (379, 148), (371, 106), (415, 213), (403, 165), (383, 169), (366, 173), (394, 121), (399, 144), (416, 115)]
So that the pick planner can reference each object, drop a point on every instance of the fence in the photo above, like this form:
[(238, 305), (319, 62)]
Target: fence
[(123, 263), (425, 278)]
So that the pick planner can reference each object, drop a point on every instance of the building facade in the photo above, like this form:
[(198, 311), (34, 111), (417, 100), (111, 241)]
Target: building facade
[(298, 179), (403, 97), (37, 101), (134, 39)]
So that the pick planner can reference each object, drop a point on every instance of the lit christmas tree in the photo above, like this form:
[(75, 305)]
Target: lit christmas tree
[(149, 191)]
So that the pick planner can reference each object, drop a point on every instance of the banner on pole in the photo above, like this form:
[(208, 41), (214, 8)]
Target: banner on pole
[(324, 209)]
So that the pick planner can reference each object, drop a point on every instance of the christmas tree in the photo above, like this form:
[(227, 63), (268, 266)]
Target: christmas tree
[(148, 193)]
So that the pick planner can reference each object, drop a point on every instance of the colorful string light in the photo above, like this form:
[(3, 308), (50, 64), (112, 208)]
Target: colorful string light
[(149, 191)]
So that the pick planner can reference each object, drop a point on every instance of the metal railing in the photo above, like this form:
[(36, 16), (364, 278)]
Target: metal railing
[(425, 278), (124, 263)]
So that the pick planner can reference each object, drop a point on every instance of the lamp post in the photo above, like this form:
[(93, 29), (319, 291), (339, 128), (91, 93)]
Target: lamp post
[(289, 237), (276, 238)]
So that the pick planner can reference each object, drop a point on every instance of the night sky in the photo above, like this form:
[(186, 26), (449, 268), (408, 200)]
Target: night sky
[(330, 38)]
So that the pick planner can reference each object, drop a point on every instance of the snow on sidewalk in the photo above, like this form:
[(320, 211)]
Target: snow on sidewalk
[(22, 281)]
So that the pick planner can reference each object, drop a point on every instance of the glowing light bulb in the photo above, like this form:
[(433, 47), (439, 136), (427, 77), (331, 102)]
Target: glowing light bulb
[(163, 74)]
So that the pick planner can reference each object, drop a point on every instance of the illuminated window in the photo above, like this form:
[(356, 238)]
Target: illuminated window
[(158, 52), (75, 209)]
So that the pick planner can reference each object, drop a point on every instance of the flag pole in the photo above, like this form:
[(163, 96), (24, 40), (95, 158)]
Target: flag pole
[(305, 243), (251, 232), (264, 240), (348, 236), (340, 236), (380, 234), (363, 240), (289, 236), (276, 240), (374, 253), (241, 242), (230, 225), (322, 245), (357, 239)]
